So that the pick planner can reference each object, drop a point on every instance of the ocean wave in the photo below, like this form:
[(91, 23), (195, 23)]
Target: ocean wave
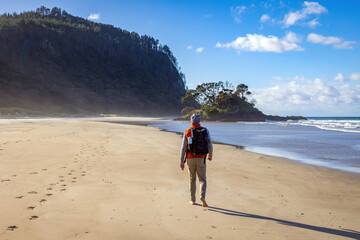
[(335, 125), (349, 125), (356, 148)]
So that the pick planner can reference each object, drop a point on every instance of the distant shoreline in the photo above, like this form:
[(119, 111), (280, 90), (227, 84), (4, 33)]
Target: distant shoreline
[(290, 157), (141, 121)]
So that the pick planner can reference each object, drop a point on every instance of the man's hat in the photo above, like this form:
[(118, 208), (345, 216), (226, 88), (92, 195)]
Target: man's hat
[(195, 118)]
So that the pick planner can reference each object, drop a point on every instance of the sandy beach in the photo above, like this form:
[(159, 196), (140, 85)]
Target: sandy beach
[(85, 179)]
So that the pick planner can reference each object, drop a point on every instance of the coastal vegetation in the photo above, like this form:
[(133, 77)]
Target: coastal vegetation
[(53, 62), (219, 101), (217, 98)]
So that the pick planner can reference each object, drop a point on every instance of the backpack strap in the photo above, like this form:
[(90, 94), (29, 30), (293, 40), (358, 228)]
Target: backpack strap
[(192, 131)]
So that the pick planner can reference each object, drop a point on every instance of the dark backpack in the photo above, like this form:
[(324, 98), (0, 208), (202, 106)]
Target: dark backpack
[(199, 144)]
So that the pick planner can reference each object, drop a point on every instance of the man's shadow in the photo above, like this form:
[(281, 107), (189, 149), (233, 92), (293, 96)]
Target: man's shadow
[(343, 233)]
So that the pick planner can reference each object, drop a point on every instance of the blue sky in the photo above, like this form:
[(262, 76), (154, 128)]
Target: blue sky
[(297, 57)]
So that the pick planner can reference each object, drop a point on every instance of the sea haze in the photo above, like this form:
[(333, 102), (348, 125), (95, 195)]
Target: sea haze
[(328, 142)]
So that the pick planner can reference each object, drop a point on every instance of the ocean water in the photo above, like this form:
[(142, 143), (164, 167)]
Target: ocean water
[(332, 142)]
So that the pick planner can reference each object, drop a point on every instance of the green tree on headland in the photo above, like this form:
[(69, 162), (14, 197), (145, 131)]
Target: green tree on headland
[(217, 98)]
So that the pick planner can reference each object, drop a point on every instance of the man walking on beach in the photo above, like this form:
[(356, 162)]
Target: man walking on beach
[(195, 146)]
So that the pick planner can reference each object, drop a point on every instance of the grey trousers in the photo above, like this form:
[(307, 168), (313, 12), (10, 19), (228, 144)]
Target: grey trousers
[(196, 166)]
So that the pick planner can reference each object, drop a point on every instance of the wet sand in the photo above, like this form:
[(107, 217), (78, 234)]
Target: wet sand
[(84, 179)]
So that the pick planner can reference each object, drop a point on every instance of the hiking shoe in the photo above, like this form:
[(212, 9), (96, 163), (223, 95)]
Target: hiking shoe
[(204, 204)]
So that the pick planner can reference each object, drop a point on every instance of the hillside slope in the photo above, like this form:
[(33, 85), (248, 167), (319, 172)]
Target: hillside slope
[(52, 62)]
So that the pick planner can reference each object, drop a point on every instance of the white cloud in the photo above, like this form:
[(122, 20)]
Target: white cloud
[(339, 78), (189, 47), (236, 13), (94, 16), (355, 76), (298, 79), (261, 43), (292, 37), (200, 49), (336, 42), (313, 23), (307, 97), (265, 18), (309, 8), (313, 8), (291, 18)]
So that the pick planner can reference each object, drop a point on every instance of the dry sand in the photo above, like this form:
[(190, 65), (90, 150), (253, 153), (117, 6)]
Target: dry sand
[(81, 179)]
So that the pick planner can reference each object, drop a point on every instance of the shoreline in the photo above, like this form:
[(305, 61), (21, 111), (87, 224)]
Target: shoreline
[(147, 121), (306, 162), (301, 160)]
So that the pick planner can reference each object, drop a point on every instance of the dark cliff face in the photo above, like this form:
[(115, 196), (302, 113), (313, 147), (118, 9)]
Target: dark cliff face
[(51, 61)]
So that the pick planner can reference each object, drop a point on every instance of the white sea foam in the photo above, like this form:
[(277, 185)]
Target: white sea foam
[(336, 125), (356, 147), (343, 125)]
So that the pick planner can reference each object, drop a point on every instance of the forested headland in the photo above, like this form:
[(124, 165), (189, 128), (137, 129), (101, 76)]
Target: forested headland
[(219, 101), (53, 62)]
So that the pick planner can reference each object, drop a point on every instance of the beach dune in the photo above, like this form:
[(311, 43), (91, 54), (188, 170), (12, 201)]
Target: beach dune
[(85, 179)]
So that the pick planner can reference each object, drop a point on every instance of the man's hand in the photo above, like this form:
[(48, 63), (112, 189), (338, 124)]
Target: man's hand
[(182, 165), (209, 158)]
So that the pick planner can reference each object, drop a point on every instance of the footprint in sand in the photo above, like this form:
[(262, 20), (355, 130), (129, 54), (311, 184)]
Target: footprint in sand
[(48, 195), (74, 178), (63, 189), (33, 217), (32, 192), (62, 180), (72, 170), (49, 188), (13, 175), (42, 200), (52, 184), (31, 208), (44, 169), (83, 174), (32, 173), (64, 185), (73, 181), (12, 228), (69, 173), (5, 180), (61, 176), (19, 197)]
